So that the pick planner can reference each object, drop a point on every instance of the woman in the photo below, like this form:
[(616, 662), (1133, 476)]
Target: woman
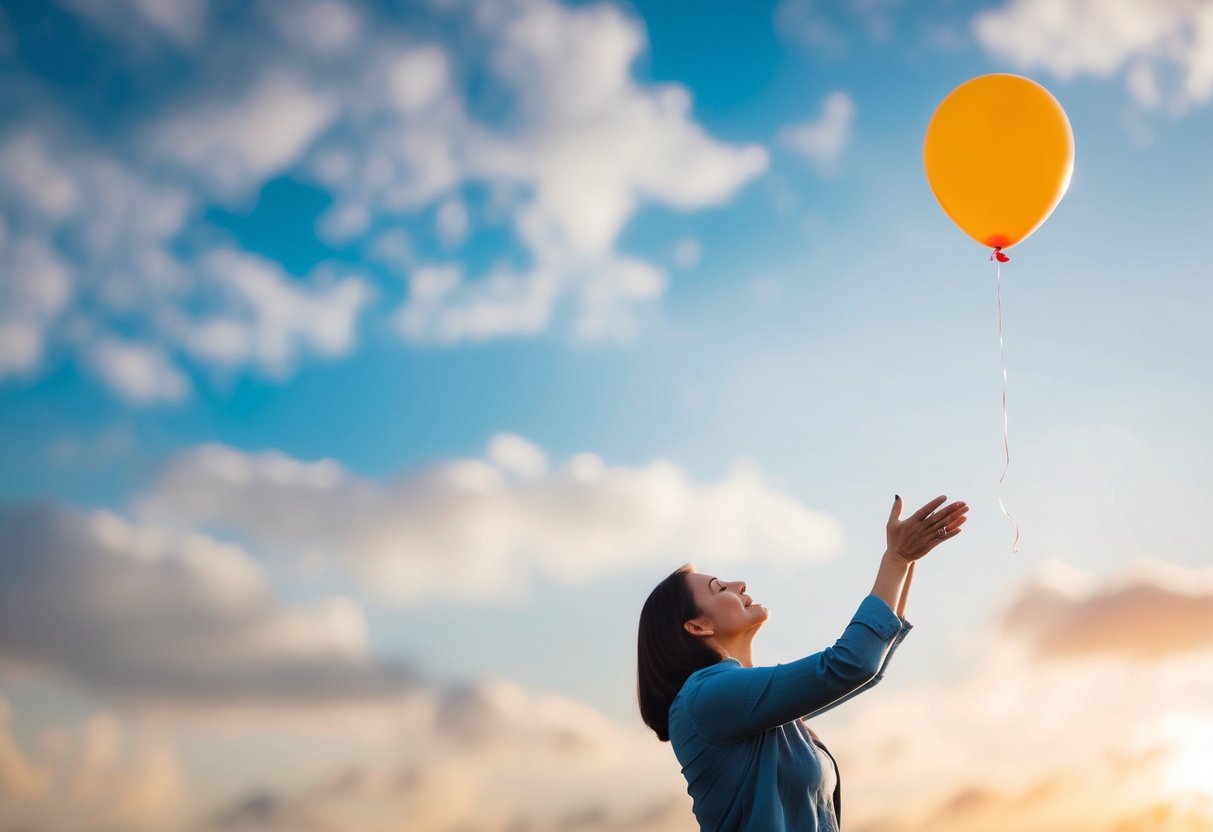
[(749, 760)]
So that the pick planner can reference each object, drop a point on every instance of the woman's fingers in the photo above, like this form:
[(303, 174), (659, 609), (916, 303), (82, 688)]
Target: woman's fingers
[(946, 515), (954, 523), (922, 513), (948, 531), (952, 530)]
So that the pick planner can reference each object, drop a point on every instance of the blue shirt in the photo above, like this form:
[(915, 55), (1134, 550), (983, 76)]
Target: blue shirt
[(749, 762)]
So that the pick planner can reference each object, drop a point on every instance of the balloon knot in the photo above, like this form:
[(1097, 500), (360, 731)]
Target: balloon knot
[(998, 255)]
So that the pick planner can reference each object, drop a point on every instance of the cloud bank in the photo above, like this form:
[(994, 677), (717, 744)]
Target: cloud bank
[(141, 616), (475, 529)]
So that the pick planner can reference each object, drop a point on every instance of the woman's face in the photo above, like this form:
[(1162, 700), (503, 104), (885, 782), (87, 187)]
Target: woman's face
[(724, 606)]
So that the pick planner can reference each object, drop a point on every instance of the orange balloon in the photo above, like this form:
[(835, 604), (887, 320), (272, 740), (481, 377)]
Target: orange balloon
[(999, 155)]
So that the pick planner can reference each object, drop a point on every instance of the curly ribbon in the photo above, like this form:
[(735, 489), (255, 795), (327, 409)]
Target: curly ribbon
[(1001, 258)]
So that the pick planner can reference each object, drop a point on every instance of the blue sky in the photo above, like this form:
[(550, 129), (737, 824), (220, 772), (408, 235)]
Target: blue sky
[(434, 334)]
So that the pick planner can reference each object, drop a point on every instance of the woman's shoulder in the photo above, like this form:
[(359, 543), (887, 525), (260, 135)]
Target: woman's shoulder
[(729, 663), (703, 673), (682, 724)]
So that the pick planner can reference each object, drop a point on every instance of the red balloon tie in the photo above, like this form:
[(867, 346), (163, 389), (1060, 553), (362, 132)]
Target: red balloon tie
[(998, 255), (1006, 442)]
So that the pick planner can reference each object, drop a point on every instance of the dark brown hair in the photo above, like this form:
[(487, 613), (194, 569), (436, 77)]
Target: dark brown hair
[(666, 653)]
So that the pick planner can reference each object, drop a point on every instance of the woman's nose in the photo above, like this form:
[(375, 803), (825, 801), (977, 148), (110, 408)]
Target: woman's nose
[(741, 588)]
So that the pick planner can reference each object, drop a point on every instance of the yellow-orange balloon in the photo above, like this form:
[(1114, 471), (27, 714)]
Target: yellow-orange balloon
[(999, 154)]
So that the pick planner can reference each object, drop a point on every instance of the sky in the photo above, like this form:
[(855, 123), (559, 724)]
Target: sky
[(363, 365)]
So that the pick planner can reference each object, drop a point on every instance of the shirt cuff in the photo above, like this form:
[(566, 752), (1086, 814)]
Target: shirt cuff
[(875, 614)]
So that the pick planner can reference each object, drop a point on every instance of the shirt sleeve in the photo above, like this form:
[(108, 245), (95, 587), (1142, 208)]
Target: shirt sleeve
[(744, 701)]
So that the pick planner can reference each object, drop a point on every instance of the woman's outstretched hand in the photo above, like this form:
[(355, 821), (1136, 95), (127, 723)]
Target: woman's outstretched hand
[(912, 538)]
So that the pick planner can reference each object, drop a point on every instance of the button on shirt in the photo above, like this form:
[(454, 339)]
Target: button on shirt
[(749, 762)]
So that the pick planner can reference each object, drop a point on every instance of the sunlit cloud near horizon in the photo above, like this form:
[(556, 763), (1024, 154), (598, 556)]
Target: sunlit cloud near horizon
[(364, 364)]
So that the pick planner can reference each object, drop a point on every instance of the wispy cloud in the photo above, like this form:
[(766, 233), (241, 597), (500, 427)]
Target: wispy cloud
[(182, 22), (1154, 618), (140, 373), (35, 287), (687, 252), (828, 29), (477, 528), (824, 139), (269, 320), (235, 145), (327, 27), (1161, 49)]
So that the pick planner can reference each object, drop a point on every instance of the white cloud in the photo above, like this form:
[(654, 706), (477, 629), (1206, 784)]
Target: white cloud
[(394, 249), (516, 456), (143, 615), (323, 26), (269, 320), (20, 346), (346, 222), (236, 145), (140, 790), (449, 755), (387, 130), (117, 225), (443, 308), (20, 777), (55, 187), (582, 772), (141, 373), (35, 286), (1143, 39), (223, 307), (1152, 617), (418, 79), (687, 252), (824, 139), (452, 222), (586, 146), (41, 183), (476, 528), (803, 22), (821, 27), (99, 775), (183, 21)]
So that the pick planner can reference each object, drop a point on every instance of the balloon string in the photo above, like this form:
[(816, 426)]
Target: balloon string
[(1006, 442)]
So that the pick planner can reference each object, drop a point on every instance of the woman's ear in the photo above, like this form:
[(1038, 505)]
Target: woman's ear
[(698, 627)]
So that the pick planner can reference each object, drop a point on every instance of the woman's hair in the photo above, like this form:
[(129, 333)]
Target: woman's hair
[(666, 653)]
